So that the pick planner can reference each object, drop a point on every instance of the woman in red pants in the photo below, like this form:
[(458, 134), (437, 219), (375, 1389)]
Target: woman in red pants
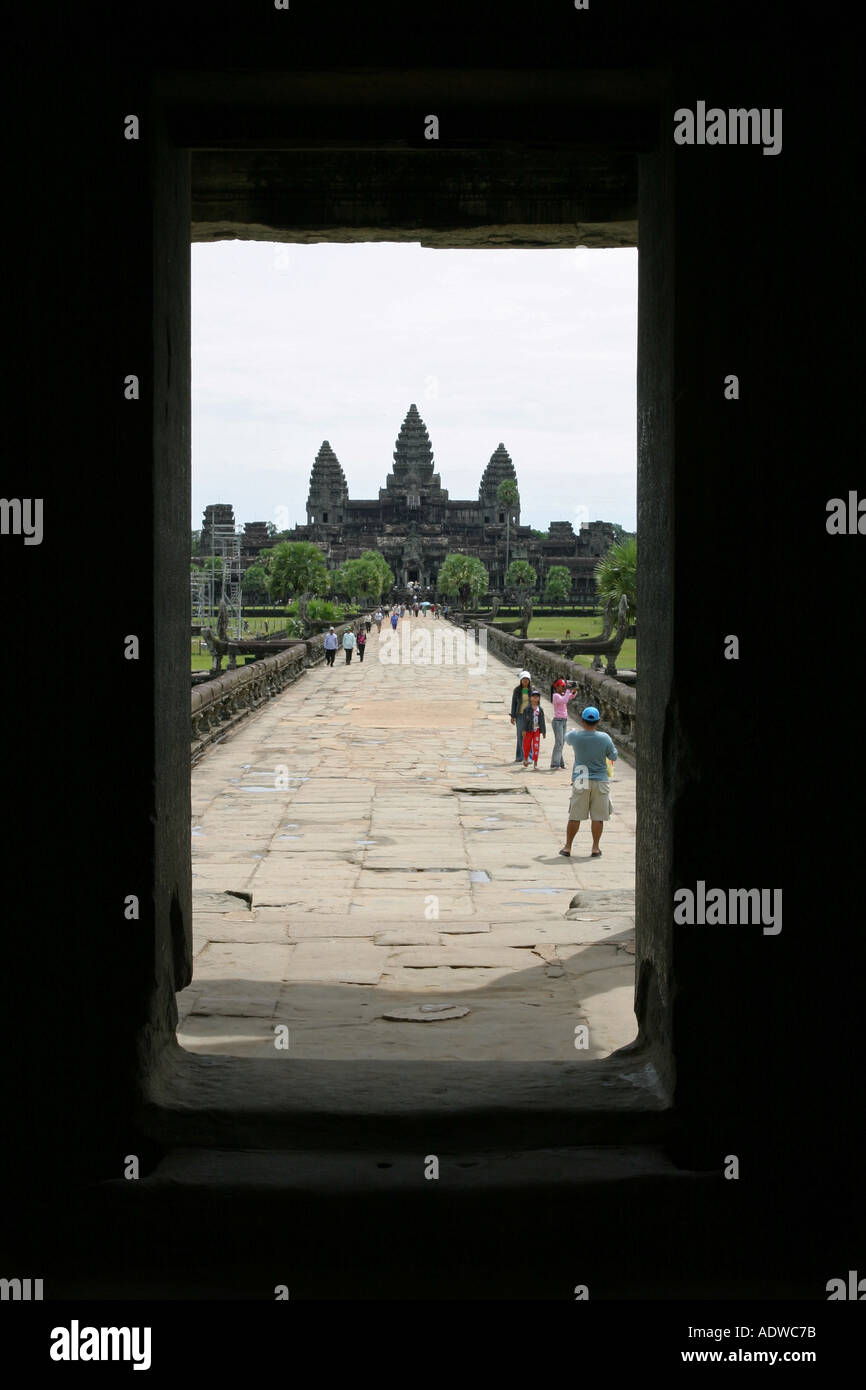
[(534, 729)]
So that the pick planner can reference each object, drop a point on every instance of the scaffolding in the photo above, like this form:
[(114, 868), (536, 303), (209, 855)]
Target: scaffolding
[(229, 545), (201, 597)]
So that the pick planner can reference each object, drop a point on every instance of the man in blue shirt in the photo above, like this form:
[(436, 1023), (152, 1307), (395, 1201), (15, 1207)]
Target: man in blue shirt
[(590, 784), (330, 646)]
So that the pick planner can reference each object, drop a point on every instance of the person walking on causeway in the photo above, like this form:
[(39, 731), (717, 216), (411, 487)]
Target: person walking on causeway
[(520, 702), (534, 729)]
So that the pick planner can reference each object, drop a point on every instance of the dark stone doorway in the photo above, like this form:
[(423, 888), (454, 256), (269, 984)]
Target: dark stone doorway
[(732, 1024)]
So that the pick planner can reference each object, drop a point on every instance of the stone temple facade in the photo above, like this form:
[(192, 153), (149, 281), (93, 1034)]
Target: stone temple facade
[(415, 524)]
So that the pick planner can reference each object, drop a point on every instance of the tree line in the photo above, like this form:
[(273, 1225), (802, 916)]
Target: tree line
[(293, 569)]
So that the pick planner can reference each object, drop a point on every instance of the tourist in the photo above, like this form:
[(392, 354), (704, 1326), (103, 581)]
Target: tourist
[(348, 644), (534, 730), (330, 646), (415, 608), (561, 692), (394, 621), (378, 618), (362, 643), (368, 623), (519, 702), (433, 610), (590, 780)]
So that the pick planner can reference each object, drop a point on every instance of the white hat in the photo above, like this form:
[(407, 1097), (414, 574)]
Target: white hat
[(526, 674)]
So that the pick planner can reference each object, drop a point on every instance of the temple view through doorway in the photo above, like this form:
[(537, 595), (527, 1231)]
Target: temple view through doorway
[(413, 653)]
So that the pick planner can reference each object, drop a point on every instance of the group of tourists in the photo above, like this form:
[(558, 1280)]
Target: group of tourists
[(356, 640), (352, 642), (594, 753)]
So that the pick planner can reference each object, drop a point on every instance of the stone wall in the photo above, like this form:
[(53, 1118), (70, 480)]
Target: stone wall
[(616, 702), (219, 704)]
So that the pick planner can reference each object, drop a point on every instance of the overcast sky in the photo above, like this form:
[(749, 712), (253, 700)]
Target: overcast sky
[(296, 344)]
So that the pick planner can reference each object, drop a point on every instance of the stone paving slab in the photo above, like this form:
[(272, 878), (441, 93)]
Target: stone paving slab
[(405, 906), (324, 876), (239, 960), (566, 933), (285, 895), (483, 952), (227, 904), (302, 925), (442, 979), (411, 769), (329, 960), (410, 882), (407, 936)]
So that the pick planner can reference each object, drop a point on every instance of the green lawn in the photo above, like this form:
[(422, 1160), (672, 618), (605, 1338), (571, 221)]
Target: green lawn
[(200, 657), (553, 630), (201, 661), (257, 625)]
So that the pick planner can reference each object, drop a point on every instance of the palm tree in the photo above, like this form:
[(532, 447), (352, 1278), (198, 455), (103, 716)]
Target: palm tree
[(508, 497), (616, 575)]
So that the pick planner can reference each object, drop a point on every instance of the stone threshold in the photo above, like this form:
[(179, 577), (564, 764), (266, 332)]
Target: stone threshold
[(236, 1103)]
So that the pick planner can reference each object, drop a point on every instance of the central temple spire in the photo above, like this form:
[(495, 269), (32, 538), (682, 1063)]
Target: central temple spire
[(413, 455)]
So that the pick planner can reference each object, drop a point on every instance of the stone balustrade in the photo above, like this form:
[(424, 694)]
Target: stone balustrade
[(615, 702), (218, 704)]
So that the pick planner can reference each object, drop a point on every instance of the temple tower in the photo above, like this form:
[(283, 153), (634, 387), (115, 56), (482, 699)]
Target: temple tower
[(219, 516), (412, 475), (329, 492), (499, 467)]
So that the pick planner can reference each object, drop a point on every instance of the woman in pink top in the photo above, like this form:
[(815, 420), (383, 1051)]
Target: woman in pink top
[(561, 692)]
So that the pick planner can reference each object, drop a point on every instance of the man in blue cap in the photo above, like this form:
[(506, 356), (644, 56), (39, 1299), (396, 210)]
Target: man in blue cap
[(590, 784)]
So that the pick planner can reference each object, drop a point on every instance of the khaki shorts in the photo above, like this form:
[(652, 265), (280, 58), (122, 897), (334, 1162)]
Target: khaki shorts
[(591, 802)]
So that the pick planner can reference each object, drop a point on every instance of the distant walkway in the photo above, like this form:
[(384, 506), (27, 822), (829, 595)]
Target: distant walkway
[(394, 857)]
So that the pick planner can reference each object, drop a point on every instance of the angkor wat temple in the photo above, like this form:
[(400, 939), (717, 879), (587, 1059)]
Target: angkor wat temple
[(415, 524)]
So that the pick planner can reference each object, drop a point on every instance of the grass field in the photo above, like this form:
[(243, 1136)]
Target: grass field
[(549, 629), (257, 625), (200, 657), (553, 630)]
